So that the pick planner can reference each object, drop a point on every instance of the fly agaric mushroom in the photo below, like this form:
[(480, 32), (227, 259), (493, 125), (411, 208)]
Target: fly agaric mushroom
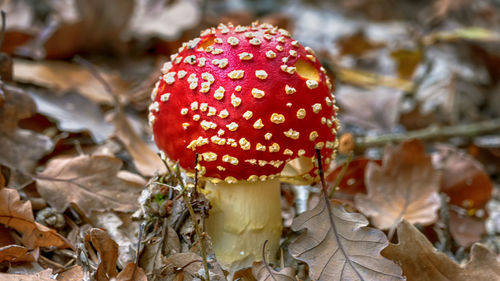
[(254, 104)]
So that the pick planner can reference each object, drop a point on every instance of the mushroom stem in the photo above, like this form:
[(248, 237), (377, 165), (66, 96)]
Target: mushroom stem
[(243, 216)]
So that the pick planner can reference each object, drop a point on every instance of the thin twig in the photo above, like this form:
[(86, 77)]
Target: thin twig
[(138, 250), (51, 262), (97, 75), (197, 229), (341, 175), (431, 133), (445, 217), (2, 35), (162, 241), (265, 262)]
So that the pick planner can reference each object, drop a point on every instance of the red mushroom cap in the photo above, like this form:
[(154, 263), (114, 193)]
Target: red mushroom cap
[(247, 100)]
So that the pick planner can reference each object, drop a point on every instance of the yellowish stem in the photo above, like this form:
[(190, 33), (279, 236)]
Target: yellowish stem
[(243, 216)]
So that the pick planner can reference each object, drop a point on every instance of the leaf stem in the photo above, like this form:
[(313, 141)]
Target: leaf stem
[(324, 191)]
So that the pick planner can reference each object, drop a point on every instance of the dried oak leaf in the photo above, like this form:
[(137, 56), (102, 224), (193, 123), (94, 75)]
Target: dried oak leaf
[(132, 273), (338, 246), (108, 253), (75, 273), (421, 261), (145, 159), (18, 215), (405, 186), (89, 182), (261, 272)]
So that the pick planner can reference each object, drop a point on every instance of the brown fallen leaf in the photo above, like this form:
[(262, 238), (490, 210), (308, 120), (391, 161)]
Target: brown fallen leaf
[(40, 276), (186, 266), (484, 264), (165, 20), (422, 262), (261, 273), (145, 159), (19, 216), (90, 182), (23, 148), (75, 273), (338, 246), (4, 175), (404, 187), (16, 105), (469, 188), (371, 108), (71, 28), (466, 229), (20, 148), (353, 181), (16, 253), (65, 76), (132, 273), (73, 112), (464, 179), (357, 44), (108, 253), (407, 61)]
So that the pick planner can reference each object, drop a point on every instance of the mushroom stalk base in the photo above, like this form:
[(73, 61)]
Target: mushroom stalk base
[(243, 216)]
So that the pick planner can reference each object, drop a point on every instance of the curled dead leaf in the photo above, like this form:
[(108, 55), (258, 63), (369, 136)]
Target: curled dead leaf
[(132, 272), (75, 273), (108, 253), (261, 272), (19, 216), (145, 159), (405, 186), (187, 266), (64, 76), (338, 246), (16, 253)]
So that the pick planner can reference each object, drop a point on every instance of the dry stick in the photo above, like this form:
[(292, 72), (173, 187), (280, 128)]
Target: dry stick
[(141, 230), (341, 175), (196, 225), (2, 35), (97, 75), (445, 216), (51, 262), (430, 133)]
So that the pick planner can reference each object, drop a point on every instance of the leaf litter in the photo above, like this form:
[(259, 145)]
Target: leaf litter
[(400, 66)]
